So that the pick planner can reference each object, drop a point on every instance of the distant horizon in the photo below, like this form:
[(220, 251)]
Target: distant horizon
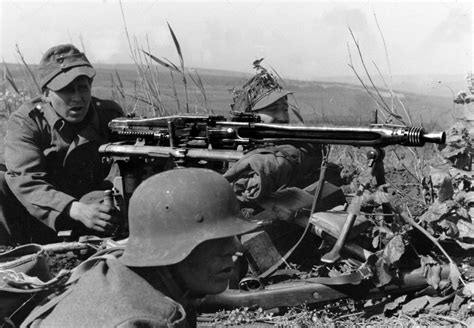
[(250, 72), (442, 85), (301, 40)]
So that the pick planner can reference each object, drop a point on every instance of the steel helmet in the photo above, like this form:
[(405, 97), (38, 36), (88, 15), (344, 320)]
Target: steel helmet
[(172, 212)]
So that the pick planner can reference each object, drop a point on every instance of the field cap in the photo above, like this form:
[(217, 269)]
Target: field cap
[(61, 64), (268, 98)]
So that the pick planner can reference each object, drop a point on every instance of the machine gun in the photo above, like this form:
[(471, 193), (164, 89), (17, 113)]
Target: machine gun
[(211, 137), (144, 146), (211, 140)]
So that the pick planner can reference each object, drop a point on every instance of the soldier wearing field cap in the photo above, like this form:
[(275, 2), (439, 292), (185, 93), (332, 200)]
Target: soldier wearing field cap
[(51, 155), (183, 228)]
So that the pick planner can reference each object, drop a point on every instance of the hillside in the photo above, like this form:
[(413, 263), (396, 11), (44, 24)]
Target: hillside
[(319, 101)]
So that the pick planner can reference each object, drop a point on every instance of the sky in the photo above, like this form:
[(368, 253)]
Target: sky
[(302, 40)]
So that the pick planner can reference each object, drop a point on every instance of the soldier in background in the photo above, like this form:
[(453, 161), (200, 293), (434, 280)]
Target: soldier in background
[(266, 170), (51, 155), (183, 224)]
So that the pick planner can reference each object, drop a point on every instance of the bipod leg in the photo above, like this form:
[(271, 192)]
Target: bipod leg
[(375, 157)]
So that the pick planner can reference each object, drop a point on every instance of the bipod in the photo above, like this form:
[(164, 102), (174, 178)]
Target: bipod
[(375, 157)]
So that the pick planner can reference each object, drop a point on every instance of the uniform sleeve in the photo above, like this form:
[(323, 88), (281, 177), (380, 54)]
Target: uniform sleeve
[(264, 171), (27, 171)]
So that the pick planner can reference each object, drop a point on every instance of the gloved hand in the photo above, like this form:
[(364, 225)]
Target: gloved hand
[(264, 171)]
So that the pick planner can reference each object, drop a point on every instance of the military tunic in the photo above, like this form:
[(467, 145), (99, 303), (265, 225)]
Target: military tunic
[(51, 163)]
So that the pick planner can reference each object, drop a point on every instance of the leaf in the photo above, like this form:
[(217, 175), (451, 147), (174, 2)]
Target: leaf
[(469, 198), (457, 302), (435, 212), (161, 62), (465, 246), (468, 290), (449, 227), (462, 212), (446, 190), (12, 83), (176, 43), (450, 151), (440, 309), (431, 270), (454, 275), (393, 305), (415, 306), (466, 229), (375, 241), (438, 174), (394, 249), (382, 272)]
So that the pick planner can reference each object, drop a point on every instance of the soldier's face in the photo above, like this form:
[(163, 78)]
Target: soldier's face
[(209, 267), (72, 102), (275, 113)]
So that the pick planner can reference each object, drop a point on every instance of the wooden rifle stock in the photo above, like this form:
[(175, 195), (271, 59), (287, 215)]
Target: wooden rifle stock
[(304, 291)]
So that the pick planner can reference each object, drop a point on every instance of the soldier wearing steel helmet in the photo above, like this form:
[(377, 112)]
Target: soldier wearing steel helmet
[(183, 228), (51, 155)]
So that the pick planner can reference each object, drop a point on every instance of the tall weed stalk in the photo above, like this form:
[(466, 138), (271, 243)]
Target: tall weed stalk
[(148, 91)]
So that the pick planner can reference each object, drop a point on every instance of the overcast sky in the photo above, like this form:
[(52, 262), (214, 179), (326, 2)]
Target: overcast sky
[(302, 40)]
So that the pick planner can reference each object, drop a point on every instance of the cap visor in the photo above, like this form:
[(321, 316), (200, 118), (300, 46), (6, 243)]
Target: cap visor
[(63, 79), (270, 99)]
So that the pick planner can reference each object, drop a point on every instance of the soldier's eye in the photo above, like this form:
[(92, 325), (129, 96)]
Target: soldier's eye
[(84, 88), (68, 88)]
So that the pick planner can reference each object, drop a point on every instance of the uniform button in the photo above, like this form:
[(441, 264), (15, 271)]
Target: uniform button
[(38, 107), (98, 103)]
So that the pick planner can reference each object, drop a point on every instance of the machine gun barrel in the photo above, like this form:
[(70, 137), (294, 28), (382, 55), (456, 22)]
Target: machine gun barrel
[(374, 136)]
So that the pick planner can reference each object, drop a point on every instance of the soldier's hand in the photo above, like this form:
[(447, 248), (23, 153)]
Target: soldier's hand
[(96, 216)]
